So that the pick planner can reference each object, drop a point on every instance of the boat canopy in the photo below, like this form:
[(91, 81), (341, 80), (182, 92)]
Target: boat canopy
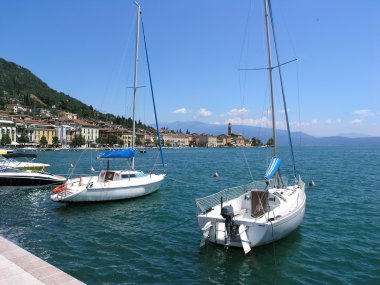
[(273, 167), (18, 155), (117, 154)]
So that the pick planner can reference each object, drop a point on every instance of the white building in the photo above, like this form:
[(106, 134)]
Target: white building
[(7, 126)]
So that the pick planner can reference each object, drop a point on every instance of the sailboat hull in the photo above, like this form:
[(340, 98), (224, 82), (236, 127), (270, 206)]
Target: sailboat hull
[(286, 215), (87, 191)]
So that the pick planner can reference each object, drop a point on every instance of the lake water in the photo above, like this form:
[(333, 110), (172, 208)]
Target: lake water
[(155, 239)]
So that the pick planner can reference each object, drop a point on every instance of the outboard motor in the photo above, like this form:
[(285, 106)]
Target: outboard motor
[(227, 213)]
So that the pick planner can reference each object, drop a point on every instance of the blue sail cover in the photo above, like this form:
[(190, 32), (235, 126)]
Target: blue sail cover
[(273, 167), (117, 154)]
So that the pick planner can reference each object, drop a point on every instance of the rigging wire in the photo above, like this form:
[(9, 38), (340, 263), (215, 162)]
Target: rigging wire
[(151, 89), (299, 104), (76, 163), (282, 89)]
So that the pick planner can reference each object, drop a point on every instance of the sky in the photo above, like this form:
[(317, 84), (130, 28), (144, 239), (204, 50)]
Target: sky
[(197, 48)]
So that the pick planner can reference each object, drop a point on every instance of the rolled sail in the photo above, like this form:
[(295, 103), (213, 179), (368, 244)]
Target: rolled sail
[(117, 154), (273, 167)]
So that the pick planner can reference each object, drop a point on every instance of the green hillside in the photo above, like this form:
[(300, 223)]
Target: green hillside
[(21, 84), (18, 84)]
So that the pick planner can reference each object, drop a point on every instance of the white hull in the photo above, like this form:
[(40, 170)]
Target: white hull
[(23, 165), (94, 189), (284, 216)]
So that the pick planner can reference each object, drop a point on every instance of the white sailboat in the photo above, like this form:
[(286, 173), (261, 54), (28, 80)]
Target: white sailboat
[(260, 212), (115, 184)]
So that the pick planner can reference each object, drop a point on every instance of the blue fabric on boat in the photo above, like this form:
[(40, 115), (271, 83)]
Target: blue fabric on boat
[(117, 154), (273, 167)]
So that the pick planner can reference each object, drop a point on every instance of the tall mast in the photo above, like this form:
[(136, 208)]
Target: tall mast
[(282, 90), (270, 80), (135, 82)]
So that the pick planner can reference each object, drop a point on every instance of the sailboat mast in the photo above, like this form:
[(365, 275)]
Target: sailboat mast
[(135, 82), (270, 80)]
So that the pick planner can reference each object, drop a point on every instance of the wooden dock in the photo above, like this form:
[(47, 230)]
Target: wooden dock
[(18, 266)]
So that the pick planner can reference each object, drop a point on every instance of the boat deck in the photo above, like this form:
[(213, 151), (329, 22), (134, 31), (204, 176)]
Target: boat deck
[(18, 266)]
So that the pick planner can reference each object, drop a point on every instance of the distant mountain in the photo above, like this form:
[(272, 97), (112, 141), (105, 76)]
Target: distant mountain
[(353, 135), (299, 138)]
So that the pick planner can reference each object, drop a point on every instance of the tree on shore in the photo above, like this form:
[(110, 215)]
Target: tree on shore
[(55, 141), (110, 140), (23, 139), (256, 142), (270, 142), (43, 141), (78, 140), (5, 139)]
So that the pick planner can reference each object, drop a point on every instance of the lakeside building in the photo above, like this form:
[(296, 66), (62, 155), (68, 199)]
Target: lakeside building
[(16, 108), (7, 126), (35, 130), (224, 140), (89, 132), (97, 132), (65, 134), (208, 141), (41, 129), (175, 139), (68, 115), (123, 134)]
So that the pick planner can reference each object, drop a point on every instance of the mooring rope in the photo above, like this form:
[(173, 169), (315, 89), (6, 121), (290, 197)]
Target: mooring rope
[(171, 227)]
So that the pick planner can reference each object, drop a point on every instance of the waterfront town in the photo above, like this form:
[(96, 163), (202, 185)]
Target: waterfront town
[(20, 127)]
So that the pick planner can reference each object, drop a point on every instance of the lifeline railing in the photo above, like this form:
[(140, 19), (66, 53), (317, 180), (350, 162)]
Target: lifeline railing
[(205, 204)]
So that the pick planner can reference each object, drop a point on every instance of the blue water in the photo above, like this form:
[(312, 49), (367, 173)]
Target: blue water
[(155, 239)]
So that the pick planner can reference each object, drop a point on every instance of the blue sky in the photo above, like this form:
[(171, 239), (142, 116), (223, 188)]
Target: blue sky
[(85, 48)]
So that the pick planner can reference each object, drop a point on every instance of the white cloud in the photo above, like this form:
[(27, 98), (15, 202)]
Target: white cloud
[(300, 124), (362, 112), (259, 122), (267, 112), (356, 122), (283, 110), (237, 112), (328, 122), (204, 113), (181, 111), (314, 122)]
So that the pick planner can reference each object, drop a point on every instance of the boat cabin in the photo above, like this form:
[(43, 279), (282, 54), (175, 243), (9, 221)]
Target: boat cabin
[(112, 175)]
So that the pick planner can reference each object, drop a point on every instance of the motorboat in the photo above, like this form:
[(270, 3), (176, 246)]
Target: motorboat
[(17, 177), (9, 161)]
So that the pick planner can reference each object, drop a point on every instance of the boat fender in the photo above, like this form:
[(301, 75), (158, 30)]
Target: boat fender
[(59, 189)]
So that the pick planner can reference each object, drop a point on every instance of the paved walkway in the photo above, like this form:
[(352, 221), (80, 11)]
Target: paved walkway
[(18, 266)]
